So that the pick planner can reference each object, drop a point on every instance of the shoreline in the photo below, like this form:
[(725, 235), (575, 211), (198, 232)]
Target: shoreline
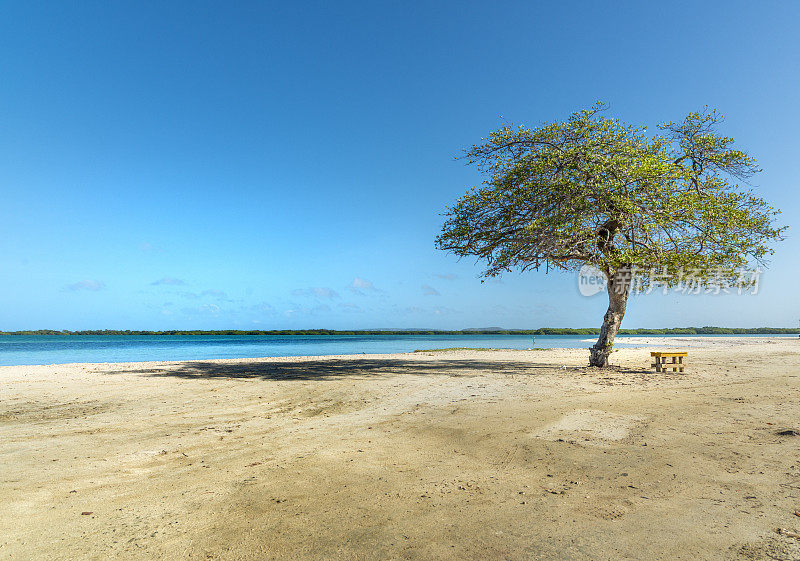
[(643, 342)]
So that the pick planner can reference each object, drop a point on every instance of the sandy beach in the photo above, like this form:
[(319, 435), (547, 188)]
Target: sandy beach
[(442, 455)]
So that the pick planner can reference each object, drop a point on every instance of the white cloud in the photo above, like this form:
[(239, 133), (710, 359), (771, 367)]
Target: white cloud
[(362, 287), (88, 284), (428, 290), (441, 311), (213, 292), (220, 295), (362, 284), (205, 309), (263, 308), (301, 310), (171, 281), (316, 292)]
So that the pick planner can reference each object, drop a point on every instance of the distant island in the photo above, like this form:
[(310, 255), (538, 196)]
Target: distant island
[(708, 330)]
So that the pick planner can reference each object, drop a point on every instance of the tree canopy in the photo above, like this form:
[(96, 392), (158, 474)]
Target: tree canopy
[(594, 190)]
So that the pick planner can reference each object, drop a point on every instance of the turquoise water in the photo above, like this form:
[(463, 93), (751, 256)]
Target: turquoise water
[(60, 349)]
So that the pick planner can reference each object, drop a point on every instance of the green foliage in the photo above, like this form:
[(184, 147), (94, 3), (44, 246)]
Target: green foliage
[(237, 332), (595, 190), (331, 332)]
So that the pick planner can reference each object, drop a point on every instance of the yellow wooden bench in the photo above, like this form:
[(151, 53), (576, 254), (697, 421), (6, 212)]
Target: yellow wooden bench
[(661, 364)]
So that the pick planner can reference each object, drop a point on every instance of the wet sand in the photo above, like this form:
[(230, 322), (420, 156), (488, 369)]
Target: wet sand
[(444, 455)]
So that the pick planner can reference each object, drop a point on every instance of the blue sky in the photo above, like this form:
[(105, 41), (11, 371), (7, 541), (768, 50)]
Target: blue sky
[(284, 165)]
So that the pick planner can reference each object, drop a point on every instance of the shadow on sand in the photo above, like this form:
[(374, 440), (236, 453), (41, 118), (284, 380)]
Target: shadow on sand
[(315, 369)]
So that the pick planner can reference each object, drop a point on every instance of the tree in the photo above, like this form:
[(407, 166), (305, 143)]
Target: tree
[(594, 190)]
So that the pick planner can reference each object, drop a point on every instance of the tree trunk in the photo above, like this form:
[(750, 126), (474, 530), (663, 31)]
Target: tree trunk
[(618, 289)]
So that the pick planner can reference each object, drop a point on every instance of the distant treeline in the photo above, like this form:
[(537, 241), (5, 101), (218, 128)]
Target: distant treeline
[(540, 331), (676, 331)]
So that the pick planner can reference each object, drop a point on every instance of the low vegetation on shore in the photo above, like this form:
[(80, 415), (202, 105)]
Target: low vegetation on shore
[(540, 331)]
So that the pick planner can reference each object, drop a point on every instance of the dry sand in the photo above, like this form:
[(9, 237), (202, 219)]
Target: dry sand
[(456, 455)]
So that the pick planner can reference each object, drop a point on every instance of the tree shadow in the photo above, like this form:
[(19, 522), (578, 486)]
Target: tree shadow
[(316, 369)]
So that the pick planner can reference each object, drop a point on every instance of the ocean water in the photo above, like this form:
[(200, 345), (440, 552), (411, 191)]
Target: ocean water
[(61, 349)]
